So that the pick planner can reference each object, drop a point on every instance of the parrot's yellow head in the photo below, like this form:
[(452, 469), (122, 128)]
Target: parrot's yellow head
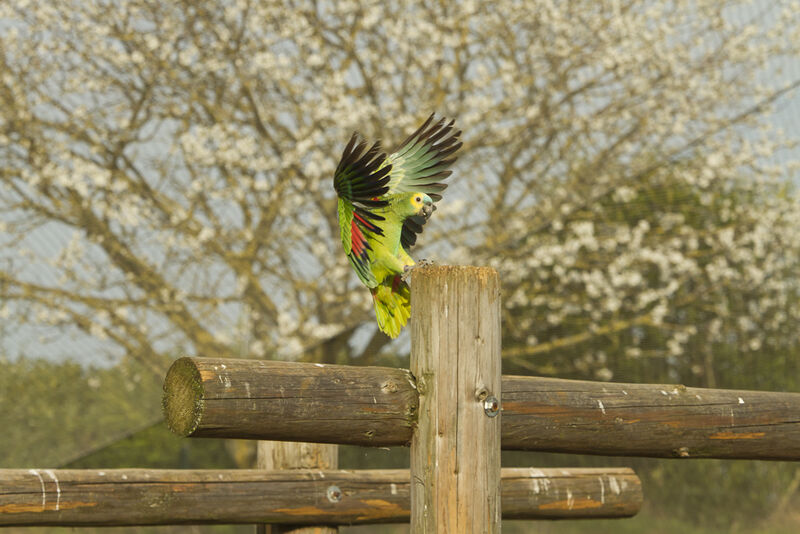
[(421, 204)]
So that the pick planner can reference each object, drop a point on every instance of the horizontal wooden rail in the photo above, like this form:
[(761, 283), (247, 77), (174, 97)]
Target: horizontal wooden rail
[(670, 421), (117, 497), (284, 401), (376, 406)]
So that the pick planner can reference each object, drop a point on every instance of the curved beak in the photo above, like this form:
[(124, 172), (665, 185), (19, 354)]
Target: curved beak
[(428, 208)]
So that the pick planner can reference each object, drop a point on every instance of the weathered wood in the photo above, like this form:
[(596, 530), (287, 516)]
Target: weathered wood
[(649, 420), (160, 497), (377, 405), (287, 401), (455, 357), (273, 455), (587, 493)]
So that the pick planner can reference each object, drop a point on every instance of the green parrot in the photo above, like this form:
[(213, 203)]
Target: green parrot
[(384, 200)]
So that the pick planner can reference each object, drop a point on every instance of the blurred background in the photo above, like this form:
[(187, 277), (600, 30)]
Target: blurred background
[(630, 169)]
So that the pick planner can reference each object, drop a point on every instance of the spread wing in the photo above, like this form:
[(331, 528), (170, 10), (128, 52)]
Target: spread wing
[(420, 164), (360, 179)]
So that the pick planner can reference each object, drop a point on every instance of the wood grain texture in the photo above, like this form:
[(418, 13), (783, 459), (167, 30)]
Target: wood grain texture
[(588, 493), (289, 401), (273, 455), (656, 420), (377, 406), (455, 357), (119, 497)]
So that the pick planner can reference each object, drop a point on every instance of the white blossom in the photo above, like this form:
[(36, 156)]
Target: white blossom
[(614, 171)]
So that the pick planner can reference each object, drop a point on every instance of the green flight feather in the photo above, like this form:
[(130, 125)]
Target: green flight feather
[(419, 165), (421, 161), (345, 212)]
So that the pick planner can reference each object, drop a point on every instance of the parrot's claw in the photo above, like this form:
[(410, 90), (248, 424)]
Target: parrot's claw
[(406, 276)]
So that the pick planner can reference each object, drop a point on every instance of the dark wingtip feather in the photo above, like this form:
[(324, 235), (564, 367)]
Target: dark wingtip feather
[(358, 177), (419, 130)]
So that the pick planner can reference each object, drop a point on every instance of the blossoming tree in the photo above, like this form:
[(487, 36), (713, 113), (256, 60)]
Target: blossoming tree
[(166, 169)]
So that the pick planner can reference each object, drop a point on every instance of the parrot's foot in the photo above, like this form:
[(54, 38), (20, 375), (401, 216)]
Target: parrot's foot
[(406, 276)]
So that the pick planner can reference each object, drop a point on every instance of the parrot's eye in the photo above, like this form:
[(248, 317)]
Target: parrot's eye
[(418, 199)]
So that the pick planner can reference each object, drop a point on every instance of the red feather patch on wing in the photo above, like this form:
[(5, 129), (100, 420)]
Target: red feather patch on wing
[(365, 223), (357, 242)]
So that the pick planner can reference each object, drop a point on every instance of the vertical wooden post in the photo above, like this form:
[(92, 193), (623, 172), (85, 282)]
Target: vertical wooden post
[(455, 357), (274, 455)]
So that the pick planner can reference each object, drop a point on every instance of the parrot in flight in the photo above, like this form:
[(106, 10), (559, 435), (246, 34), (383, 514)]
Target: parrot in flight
[(384, 200)]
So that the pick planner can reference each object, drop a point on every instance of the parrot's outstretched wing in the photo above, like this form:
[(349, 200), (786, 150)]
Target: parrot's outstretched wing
[(421, 161), (420, 164), (360, 178)]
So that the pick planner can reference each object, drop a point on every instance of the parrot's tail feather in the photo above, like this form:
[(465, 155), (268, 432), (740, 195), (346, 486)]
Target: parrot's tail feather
[(392, 306)]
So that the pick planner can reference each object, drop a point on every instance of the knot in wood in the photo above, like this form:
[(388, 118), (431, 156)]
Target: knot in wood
[(422, 385), (389, 386)]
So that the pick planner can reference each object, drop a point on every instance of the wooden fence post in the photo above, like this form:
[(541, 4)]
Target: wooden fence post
[(274, 455), (455, 357)]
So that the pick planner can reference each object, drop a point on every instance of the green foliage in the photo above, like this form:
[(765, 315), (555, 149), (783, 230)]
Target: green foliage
[(158, 448), (60, 410), (67, 415)]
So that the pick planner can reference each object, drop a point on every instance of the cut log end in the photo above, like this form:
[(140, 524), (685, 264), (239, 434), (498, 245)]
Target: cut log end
[(183, 397)]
